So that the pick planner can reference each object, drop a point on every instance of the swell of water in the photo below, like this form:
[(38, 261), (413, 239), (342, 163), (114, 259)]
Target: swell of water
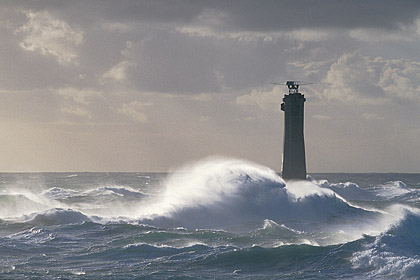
[(394, 252), (219, 216)]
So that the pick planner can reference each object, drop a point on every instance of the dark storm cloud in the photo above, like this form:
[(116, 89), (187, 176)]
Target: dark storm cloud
[(123, 11), (242, 15), (294, 14)]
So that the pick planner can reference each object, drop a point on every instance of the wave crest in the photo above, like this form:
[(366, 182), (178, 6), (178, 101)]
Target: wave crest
[(238, 195), (56, 216), (395, 251)]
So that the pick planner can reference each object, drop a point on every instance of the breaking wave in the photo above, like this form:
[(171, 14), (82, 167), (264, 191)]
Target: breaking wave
[(394, 252), (393, 190), (63, 194), (56, 216), (348, 190), (239, 196), (14, 204)]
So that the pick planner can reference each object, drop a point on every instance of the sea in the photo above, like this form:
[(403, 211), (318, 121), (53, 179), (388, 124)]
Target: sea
[(218, 218)]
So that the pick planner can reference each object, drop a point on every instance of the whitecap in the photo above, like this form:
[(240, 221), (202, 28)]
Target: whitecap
[(394, 252)]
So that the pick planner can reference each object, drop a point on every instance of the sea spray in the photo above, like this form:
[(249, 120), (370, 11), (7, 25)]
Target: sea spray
[(239, 196), (395, 252)]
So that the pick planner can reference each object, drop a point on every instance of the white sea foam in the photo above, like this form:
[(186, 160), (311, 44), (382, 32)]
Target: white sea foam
[(239, 195), (59, 193), (115, 190), (348, 190), (56, 216), (393, 189), (15, 203), (395, 252)]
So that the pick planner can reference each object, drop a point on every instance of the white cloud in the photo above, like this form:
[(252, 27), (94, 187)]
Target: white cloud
[(400, 78), (312, 67), (118, 72), (79, 96), (77, 102), (202, 97), (204, 31), (49, 35), (300, 35), (78, 111), (362, 79), (352, 79), (372, 116), (134, 110), (309, 35), (266, 100), (377, 35)]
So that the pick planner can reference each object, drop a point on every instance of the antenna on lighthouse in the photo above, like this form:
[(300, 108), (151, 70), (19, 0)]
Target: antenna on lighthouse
[(293, 85)]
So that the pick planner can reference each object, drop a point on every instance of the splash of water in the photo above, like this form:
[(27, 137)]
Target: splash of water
[(238, 195)]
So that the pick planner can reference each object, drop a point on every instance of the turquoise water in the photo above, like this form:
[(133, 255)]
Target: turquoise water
[(216, 219)]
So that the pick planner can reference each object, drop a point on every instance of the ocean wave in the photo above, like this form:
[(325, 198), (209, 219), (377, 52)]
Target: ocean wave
[(395, 252), (35, 235), (238, 195), (142, 251), (116, 190), (17, 204), (348, 190), (60, 193), (393, 190), (56, 216), (284, 260)]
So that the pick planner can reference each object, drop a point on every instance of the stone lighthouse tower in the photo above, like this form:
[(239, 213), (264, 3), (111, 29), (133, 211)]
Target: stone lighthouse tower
[(294, 161)]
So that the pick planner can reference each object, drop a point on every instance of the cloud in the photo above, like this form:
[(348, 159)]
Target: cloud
[(77, 102), (118, 72), (371, 35), (270, 15), (266, 100), (82, 97), (400, 78), (134, 111), (372, 116), (49, 35), (353, 79), (362, 79), (300, 35), (240, 15), (312, 67)]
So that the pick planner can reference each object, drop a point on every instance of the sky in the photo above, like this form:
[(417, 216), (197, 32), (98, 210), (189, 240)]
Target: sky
[(151, 85)]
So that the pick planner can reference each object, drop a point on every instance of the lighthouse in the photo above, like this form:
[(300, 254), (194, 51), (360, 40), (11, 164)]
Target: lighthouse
[(294, 161)]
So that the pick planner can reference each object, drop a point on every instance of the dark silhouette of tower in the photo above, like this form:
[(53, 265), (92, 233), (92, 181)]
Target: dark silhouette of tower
[(294, 162)]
